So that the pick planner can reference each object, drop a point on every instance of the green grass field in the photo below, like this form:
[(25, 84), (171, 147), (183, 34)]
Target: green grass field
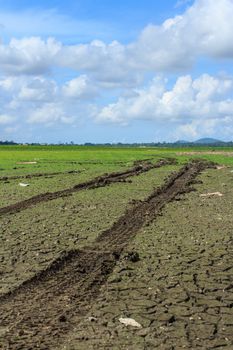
[(56, 158)]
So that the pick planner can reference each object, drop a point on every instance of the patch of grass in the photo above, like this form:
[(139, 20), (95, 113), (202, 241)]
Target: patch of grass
[(55, 158)]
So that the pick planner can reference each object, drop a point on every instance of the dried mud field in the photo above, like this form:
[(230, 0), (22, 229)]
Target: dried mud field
[(133, 254)]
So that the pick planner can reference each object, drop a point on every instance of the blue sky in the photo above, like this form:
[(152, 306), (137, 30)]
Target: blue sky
[(116, 71), (100, 19)]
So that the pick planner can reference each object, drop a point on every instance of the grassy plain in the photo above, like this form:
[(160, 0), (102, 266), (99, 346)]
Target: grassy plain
[(88, 162), (56, 157)]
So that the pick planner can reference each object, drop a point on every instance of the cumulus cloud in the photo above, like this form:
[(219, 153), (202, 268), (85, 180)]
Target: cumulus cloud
[(204, 29), (28, 56), (195, 104), (200, 128), (48, 114), (33, 70), (190, 106), (37, 100), (80, 88), (38, 89)]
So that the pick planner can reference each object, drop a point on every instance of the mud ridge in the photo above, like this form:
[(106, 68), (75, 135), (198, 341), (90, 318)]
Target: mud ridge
[(39, 313), (100, 181), (30, 176)]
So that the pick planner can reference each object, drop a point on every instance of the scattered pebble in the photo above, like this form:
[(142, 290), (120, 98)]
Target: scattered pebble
[(219, 167), (129, 322), (23, 184), (219, 194), (92, 319)]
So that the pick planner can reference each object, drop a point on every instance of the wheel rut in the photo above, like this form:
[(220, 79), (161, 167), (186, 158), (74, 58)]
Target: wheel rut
[(41, 311), (100, 181), (36, 175)]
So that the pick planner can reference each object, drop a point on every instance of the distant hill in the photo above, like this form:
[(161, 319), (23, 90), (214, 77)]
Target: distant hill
[(203, 141), (207, 141)]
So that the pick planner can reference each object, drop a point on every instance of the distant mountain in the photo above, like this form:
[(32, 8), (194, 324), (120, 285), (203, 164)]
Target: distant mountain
[(207, 141), (203, 141)]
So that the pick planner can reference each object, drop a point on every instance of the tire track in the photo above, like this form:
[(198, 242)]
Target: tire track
[(39, 313), (30, 176), (100, 181)]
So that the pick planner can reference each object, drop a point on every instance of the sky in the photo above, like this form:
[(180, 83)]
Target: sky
[(116, 71)]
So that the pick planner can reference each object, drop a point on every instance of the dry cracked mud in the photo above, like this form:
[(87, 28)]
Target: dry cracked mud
[(181, 288), (44, 311)]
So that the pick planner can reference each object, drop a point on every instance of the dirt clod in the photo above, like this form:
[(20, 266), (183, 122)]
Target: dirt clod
[(132, 256)]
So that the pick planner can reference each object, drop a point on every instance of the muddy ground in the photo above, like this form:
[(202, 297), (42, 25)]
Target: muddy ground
[(101, 181), (166, 262), (33, 238), (181, 289), (11, 192)]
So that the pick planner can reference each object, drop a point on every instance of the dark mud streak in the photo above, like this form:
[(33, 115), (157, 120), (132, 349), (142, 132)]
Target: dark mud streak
[(30, 176), (39, 313), (100, 181)]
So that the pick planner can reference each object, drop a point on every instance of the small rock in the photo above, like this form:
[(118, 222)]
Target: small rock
[(130, 322), (23, 184), (219, 194), (92, 319)]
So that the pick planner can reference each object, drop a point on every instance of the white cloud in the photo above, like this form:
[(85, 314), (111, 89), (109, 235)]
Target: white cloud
[(33, 70), (198, 128), (7, 83), (188, 131), (37, 89), (189, 107), (28, 56), (37, 100), (49, 114), (80, 88), (201, 100), (204, 29)]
